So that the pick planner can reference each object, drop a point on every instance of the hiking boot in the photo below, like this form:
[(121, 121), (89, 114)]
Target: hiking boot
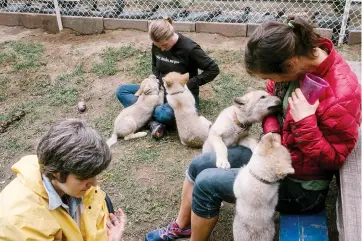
[(158, 130), (171, 232)]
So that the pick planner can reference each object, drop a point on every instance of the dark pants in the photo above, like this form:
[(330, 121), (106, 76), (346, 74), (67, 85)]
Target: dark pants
[(162, 113), (213, 185)]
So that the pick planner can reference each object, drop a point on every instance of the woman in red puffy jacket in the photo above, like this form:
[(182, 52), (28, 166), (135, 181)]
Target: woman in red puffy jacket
[(319, 136)]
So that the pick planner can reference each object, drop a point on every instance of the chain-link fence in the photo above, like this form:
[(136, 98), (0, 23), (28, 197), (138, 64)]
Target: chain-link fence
[(334, 14)]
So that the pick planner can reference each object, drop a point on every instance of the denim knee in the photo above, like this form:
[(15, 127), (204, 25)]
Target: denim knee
[(212, 186), (205, 203), (121, 91), (125, 94), (164, 114), (198, 164)]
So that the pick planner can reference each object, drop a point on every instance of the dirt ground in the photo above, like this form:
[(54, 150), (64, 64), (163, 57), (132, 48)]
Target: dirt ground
[(44, 75)]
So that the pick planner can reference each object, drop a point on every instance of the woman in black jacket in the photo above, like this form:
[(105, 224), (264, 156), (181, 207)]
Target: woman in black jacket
[(172, 52)]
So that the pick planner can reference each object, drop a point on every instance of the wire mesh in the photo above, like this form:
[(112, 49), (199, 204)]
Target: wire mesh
[(323, 14)]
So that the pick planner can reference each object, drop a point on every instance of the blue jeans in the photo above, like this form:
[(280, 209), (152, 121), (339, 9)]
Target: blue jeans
[(162, 113), (213, 185)]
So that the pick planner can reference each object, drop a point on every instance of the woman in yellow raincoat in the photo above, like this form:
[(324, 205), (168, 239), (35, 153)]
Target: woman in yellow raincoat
[(55, 194)]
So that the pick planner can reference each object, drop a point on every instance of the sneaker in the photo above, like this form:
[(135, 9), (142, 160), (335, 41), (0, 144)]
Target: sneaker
[(158, 130), (171, 232)]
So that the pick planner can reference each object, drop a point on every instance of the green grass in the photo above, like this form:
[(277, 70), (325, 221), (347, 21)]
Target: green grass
[(110, 57), (65, 90), (3, 88), (22, 55), (143, 65), (2, 57)]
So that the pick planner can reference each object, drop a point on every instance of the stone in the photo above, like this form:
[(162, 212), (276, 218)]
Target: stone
[(35, 20), (354, 36), (9, 19), (251, 29), (324, 32), (83, 25), (184, 26), (226, 29), (110, 23)]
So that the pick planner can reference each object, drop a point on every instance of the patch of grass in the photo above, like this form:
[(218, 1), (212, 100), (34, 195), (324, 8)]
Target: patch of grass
[(143, 65), (12, 146), (25, 55), (63, 95), (3, 88), (104, 122), (147, 154), (226, 86), (75, 77), (227, 57), (110, 57), (2, 57), (26, 106), (66, 88)]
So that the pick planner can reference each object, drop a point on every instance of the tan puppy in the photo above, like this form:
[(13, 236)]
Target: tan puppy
[(192, 128), (256, 190), (232, 125), (137, 115)]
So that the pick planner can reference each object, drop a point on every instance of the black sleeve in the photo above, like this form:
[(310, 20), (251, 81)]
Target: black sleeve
[(155, 71), (209, 68)]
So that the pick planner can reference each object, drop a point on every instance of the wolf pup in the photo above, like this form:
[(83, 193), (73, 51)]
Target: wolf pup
[(137, 115), (232, 125), (256, 190), (192, 128)]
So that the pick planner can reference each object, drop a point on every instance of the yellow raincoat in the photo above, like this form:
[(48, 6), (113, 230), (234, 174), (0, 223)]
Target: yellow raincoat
[(25, 214)]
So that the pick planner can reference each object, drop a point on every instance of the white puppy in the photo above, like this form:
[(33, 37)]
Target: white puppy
[(192, 128), (137, 115), (256, 190), (232, 125)]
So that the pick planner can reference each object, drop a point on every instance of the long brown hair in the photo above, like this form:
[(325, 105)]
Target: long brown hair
[(273, 43)]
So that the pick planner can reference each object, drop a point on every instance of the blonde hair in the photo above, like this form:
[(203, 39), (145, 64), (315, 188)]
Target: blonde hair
[(161, 30)]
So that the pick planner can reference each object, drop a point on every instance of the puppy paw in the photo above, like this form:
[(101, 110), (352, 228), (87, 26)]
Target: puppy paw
[(223, 163)]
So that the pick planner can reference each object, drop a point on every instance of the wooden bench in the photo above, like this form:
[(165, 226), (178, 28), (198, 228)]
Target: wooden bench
[(349, 199), (314, 227)]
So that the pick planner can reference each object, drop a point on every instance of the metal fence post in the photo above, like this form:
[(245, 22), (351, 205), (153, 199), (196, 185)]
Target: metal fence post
[(57, 13), (342, 33)]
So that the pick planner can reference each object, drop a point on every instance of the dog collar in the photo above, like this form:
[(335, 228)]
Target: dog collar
[(178, 92), (238, 123), (259, 178)]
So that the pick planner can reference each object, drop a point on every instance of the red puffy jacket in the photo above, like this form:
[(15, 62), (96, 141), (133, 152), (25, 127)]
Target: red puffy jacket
[(320, 143)]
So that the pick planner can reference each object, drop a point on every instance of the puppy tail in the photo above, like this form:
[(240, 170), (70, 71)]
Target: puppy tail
[(135, 135), (113, 140)]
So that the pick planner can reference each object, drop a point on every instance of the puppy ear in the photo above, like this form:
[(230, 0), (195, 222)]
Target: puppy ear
[(167, 82), (185, 78), (276, 140), (266, 143), (238, 101)]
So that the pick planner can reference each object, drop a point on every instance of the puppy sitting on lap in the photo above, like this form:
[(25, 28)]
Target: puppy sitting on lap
[(233, 123), (137, 115)]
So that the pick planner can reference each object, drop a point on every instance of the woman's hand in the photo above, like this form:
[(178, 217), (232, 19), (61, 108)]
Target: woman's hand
[(299, 106), (115, 226)]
